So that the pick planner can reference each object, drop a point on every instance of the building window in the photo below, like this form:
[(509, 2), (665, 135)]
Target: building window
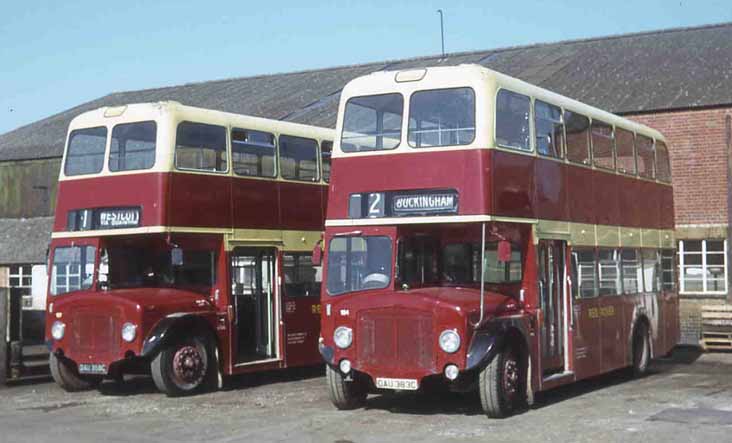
[(21, 277), (703, 266)]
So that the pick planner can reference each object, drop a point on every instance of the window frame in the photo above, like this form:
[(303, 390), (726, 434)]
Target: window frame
[(638, 157), (275, 156), (681, 267), (409, 109), (576, 286), (668, 161), (635, 154), (111, 139), (531, 148), (562, 147), (317, 178), (297, 257), (107, 135), (227, 149), (322, 162), (588, 140), (401, 124), (613, 150)]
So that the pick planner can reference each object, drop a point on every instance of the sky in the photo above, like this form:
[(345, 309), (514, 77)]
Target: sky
[(58, 54)]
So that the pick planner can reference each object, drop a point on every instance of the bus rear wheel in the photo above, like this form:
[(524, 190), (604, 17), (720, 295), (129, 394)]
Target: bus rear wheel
[(501, 385), (641, 350), (344, 394), (65, 375), (185, 367)]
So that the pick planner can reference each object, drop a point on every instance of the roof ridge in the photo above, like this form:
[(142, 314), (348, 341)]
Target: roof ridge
[(447, 56)]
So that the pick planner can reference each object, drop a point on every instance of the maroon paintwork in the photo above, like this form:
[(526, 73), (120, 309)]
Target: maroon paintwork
[(199, 200), (505, 184), (395, 331), (94, 317)]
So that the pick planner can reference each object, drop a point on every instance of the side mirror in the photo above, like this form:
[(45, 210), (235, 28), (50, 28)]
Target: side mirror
[(317, 256)]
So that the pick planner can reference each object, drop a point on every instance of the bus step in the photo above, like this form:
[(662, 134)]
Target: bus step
[(557, 379)]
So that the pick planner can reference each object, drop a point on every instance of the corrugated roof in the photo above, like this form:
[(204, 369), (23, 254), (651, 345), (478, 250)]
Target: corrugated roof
[(24, 240), (660, 70)]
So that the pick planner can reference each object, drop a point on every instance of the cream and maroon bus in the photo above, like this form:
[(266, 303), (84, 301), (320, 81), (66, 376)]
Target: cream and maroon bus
[(181, 246), (489, 234)]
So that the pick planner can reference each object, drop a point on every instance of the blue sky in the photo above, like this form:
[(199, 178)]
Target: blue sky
[(55, 55)]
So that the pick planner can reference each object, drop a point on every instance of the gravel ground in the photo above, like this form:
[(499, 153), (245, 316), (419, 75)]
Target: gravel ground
[(687, 397)]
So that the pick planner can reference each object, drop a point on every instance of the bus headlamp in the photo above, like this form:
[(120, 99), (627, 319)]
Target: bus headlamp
[(58, 329), (449, 341), (343, 337), (129, 332)]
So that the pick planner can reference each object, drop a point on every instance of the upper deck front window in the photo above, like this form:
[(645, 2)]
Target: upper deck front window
[(133, 146), (357, 263), (443, 117), (200, 147), (85, 153), (372, 123)]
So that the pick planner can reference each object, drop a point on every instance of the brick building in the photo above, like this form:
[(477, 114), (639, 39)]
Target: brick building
[(677, 80)]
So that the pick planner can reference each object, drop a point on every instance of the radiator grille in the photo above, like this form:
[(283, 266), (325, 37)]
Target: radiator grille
[(95, 332), (396, 339)]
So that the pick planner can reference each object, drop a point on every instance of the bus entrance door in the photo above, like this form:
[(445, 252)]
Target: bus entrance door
[(552, 293), (253, 277)]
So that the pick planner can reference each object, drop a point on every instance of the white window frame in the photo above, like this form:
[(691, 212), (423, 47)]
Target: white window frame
[(20, 275), (705, 290)]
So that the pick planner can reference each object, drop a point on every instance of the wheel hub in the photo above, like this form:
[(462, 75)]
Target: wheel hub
[(188, 365), (510, 377)]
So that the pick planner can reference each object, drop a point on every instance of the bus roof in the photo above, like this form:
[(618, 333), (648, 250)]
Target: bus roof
[(477, 76), (111, 115)]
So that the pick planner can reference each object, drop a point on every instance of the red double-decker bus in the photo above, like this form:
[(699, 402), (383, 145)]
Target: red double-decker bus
[(181, 246), (491, 235)]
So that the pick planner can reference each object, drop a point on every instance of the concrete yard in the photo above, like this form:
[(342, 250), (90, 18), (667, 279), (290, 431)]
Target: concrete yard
[(688, 397)]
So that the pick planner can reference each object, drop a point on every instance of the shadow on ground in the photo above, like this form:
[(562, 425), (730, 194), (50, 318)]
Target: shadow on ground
[(140, 384)]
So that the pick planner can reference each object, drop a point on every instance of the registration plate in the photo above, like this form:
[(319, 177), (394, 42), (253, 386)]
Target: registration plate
[(400, 384), (92, 368)]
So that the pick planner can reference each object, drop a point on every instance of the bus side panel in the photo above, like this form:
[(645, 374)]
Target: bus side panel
[(614, 331), (652, 201), (143, 190), (633, 202), (605, 191), (255, 203), (301, 206), (579, 194), (667, 207), (550, 193), (587, 338), (513, 184), (200, 200)]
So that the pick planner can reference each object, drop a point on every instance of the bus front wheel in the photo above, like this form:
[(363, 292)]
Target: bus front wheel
[(344, 394), (185, 367), (65, 375), (500, 385)]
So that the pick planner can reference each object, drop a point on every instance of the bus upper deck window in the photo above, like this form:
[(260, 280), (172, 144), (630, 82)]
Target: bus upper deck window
[(298, 158), (253, 153), (85, 154), (578, 137), (646, 159), (625, 147), (372, 123), (200, 147), (549, 129), (512, 120), (442, 117), (603, 145), (132, 146), (663, 167), (326, 151)]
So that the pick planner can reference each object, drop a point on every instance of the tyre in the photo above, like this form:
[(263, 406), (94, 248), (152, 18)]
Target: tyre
[(64, 373), (641, 350), (501, 387), (185, 367), (344, 394)]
